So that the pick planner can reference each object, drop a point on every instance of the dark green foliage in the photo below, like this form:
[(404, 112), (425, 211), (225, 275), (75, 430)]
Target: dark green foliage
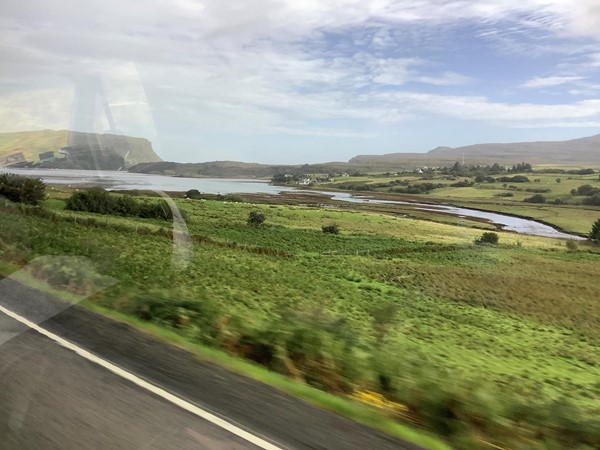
[(255, 218), (21, 189), (591, 193), (515, 179), (392, 186), (464, 183), (582, 172), (95, 200), (99, 201), (504, 194), (331, 229), (522, 167), (537, 198), (155, 210), (482, 177), (488, 237), (194, 194), (538, 190), (595, 233), (586, 190), (422, 188), (594, 200)]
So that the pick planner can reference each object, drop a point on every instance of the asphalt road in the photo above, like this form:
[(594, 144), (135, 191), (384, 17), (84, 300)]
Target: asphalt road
[(51, 397)]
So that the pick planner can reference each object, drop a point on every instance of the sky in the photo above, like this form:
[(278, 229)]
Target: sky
[(297, 81)]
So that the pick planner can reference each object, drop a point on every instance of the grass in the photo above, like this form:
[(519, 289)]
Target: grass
[(523, 316), (570, 216), (342, 406)]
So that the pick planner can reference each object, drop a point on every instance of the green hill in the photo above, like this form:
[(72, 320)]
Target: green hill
[(31, 143), (576, 152)]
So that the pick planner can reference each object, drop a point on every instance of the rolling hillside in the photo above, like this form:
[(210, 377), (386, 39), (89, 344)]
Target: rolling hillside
[(32, 143), (583, 151)]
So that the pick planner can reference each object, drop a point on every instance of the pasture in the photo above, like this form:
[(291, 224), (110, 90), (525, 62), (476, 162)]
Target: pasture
[(392, 305)]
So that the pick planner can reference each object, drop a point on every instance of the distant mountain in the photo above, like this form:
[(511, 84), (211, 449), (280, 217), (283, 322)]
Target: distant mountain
[(42, 147), (583, 151)]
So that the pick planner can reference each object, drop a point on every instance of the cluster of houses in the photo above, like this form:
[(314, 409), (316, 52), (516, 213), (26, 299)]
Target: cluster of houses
[(11, 160), (18, 159), (307, 180)]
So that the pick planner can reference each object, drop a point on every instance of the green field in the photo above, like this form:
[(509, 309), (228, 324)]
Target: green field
[(484, 345), (569, 216)]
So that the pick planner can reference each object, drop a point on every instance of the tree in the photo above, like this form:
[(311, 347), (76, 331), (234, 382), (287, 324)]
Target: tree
[(21, 189), (595, 233), (537, 198), (194, 194), (255, 218)]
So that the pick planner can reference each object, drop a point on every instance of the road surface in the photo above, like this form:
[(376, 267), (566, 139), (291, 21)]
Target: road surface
[(53, 397)]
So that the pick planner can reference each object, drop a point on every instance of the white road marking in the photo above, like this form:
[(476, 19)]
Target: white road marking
[(233, 429)]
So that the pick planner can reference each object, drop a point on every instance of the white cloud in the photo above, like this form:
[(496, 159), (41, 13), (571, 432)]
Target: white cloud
[(544, 82), (267, 65), (445, 79), (522, 115)]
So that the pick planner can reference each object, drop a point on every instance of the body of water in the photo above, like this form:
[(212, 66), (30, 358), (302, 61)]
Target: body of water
[(135, 181)]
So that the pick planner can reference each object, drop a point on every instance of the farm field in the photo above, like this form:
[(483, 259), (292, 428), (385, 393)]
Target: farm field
[(562, 209), (505, 339)]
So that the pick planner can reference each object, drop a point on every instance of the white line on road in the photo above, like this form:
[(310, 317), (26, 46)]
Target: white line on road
[(144, 384)]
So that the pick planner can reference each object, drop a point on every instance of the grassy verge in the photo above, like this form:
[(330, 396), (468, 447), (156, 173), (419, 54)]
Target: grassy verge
[(342, 406)]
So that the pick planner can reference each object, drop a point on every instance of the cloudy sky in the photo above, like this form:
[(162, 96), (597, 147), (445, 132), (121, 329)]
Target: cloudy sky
[(303, 80)]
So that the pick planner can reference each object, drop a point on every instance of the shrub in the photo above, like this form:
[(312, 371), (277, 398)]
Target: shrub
[(255, 218), (331, 229), (464, 183), (515, 179), (21, 189), (95, 200), (593, 200), (504, 194), (194, 194), (595, 233), (488, 237), (99, 201), (572, 245), (537, 198), (586, 189)]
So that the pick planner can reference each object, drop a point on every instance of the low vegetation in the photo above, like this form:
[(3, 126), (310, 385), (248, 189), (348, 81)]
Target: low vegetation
[(256, 218), (488, 238), (486, 345), (331, 229), (99, 201), (17, 188), (595, 232)]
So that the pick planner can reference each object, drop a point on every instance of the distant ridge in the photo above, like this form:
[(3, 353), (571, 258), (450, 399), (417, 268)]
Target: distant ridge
[(33, 143), (576, 152)]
